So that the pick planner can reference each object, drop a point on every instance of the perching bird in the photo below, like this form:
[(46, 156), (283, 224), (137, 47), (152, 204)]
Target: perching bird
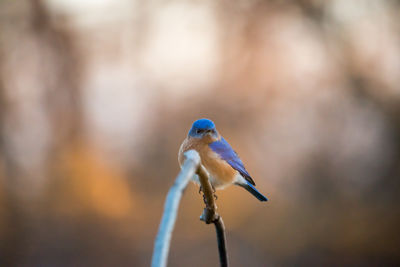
[(218, 157)]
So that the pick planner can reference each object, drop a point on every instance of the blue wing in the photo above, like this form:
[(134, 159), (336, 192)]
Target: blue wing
[(225, 151)]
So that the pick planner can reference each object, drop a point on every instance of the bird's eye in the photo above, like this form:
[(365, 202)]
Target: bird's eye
[(198, 131)]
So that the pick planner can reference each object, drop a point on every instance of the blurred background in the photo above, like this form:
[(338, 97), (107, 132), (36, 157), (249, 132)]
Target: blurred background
[(96, 97)]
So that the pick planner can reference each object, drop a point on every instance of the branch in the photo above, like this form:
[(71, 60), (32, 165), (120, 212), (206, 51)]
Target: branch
[(210, 211), (220, 229), (210, 215), (163, 239), (190, 167)]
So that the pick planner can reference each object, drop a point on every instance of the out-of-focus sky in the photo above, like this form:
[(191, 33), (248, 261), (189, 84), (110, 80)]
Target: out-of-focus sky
[(96, 97)]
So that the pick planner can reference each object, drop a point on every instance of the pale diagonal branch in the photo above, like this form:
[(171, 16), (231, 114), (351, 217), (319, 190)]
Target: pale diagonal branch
[(163, 239), (190, 167)]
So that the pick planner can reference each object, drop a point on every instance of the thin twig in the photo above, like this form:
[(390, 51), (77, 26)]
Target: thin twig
[(210, 211), (220, 229), (190, 167), (163, 239), (210, 215)]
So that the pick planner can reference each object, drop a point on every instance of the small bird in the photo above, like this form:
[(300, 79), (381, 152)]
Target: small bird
[(218, 158)]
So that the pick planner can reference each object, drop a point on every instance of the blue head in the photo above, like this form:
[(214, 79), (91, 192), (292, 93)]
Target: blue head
[(203, 127)]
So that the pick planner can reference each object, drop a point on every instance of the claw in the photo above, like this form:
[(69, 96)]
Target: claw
[(204, 197)]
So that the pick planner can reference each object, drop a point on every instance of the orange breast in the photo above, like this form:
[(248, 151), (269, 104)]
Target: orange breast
[(221, 172)]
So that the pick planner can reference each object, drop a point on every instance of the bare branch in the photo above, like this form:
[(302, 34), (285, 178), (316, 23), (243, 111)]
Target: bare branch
[(210, 215), (220, 229), (163, 239), (190, 167)]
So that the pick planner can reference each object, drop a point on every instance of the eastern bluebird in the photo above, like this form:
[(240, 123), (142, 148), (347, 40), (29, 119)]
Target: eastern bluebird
[(218, 157)]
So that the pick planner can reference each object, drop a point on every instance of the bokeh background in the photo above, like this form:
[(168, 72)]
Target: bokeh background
[(96, 97)]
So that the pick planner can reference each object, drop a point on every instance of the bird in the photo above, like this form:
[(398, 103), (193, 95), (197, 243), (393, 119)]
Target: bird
[(218, 158)]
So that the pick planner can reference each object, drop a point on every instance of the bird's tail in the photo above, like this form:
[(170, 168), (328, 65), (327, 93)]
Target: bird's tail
[(249, 187)]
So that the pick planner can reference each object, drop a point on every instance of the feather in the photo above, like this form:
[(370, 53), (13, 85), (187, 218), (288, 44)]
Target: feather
[(249, 187), (225, 151)]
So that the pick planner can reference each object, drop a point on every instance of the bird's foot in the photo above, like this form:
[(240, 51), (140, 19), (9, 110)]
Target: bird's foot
[(214, 192)]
